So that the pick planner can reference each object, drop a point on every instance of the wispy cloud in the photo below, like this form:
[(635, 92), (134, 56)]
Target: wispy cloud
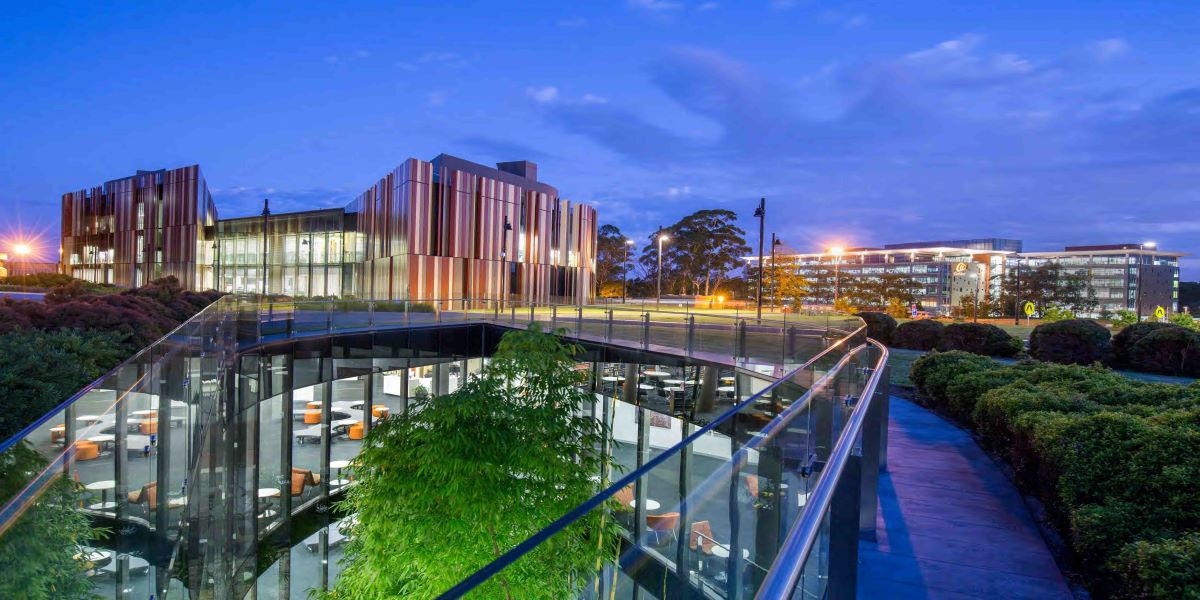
[(543, 95), (707, 6), (655, 6)]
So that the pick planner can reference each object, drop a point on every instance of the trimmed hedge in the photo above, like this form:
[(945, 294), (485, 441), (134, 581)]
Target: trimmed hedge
[(880, 326), (1167, 350), (1116, 461), (917, 335), (1074, 341), (980, 338), (1124, 340)]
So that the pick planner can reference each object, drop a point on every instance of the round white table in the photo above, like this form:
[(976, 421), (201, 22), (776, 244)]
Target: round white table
[(727, 389), (102, 486), (88, 419), (103, 438), (612, 378), (650, 504), (339, 465), (673, 381), (645, 386), (674, 388), (269, 492), (142, 413), (729, 379), (653, 373)]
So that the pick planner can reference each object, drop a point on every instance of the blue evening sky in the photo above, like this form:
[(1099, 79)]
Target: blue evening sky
[(1057, 122)]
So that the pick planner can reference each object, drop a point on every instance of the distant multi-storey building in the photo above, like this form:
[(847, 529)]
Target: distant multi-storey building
[(1137, 277), (442, 229)]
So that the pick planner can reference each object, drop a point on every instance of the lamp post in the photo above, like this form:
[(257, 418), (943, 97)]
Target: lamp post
[(22, 250), (265, 213), (1017, 295), (761, 213), (775, 243), (662, 237), (504, 261), (625, 273), (975, 293), (836, 251)]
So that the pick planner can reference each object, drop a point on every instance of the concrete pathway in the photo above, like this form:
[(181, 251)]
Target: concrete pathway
[(950, 525)]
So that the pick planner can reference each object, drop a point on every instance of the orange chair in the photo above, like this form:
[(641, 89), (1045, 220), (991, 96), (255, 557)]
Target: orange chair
[(355, 432), (58, 433), (661, 528), (380, 411), (302, 478), (85, 450), (702, 536), (148, 495), (148, 426), (751, 482), (624, 497), (312, 417), (313, 405)]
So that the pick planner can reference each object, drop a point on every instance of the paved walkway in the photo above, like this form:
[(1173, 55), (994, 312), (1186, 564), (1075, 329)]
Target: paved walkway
[(950, 524)]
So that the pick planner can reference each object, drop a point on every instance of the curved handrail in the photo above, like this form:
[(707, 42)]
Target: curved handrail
[(788, 565), (487, 571)]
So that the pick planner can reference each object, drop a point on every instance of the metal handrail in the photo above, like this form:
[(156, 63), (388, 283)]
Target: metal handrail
[(789, 563), (487, 571)]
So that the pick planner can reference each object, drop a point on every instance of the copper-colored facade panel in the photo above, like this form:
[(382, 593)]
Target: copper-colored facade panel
[(427, 230)]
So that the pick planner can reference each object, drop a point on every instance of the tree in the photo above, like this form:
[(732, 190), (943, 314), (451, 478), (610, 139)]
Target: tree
[(704, 247), (461, 478), (1189, 296), (1048, 285), (784, 285), (610, 260), (38, 551)]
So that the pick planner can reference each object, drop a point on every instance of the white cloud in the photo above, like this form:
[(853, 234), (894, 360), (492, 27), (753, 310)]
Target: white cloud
[(676, 192), (594, 99), (437, 98), (658, 6), (957, 62), (1105, 50), (543, 95)]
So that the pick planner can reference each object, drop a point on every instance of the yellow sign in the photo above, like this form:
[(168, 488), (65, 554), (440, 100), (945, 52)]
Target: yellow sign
[(1029, 308), (1159, 312), (960, 268)]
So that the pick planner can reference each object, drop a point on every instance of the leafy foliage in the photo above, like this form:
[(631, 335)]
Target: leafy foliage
[(38, 552), (703, 248), (462, 478), (1056, 313), (932, 372), (979, 338), (1125, 339), (611, 251), (1116, 461), (880, 326), (917, 335), (1184, 320), (1124, 318), (1046, 285), (1169, 350), (1073, 341)]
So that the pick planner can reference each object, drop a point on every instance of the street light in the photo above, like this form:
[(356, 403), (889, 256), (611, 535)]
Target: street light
[(22, 250), (837, 251), (504, 261), (775, 243), (975, 313), (625, 273), (662, 237), (761, 213), (265, 213)]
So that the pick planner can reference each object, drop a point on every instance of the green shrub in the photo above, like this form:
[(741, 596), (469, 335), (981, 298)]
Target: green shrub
[(917, 335), (979, 338), (1184, 320), (1163, 569), (997, 410), (1124, 318), (1170, 351), (1074, 341), (965, 390), (1056, 313), (880, 326), (932, 372), (1125, 339)]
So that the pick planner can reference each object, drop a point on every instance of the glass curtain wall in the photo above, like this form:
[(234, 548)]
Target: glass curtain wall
[(307, 255)]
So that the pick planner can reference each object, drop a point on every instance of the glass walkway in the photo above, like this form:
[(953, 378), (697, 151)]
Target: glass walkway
[(746, 450)]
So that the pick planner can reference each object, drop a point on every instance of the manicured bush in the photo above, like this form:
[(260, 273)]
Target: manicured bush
[(917, 335), (963, 391), (1124, 340), (997, 410), (880, 326), (1167, 568), (1074, 341), (934, 371), (1171, 351), (979, 338)]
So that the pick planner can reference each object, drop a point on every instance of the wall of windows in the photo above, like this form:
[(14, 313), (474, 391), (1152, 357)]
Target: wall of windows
[(309, 254)]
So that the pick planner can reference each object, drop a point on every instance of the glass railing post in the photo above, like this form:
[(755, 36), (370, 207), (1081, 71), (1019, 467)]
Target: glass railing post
[(370, 313), (609, 330), (578, 320), (406, 315), (691, 335), (553, 317), (843, 532), (646, 331)]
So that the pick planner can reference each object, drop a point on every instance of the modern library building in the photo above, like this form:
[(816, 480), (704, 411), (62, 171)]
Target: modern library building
[(443, 229)]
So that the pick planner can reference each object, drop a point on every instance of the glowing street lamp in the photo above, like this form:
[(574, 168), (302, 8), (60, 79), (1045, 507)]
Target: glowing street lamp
[(837, 251), (22, 250), (662, 237)]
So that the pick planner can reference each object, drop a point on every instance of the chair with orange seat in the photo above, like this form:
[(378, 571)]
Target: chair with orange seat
[(355, 432), (147, 495), (85, 450), (751, 482), (380, 411), (303, 478), (58, 433), (701, 537), (148, 426), (312, 417), (660, 529)]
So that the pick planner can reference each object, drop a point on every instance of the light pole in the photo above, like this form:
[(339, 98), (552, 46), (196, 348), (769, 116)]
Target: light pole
[(761, 213), (1017, 295), (22, 250), (775, 243), (265, 213), (662, 237), (975, 312), (836, 251), (504, 261), (625, 273)]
